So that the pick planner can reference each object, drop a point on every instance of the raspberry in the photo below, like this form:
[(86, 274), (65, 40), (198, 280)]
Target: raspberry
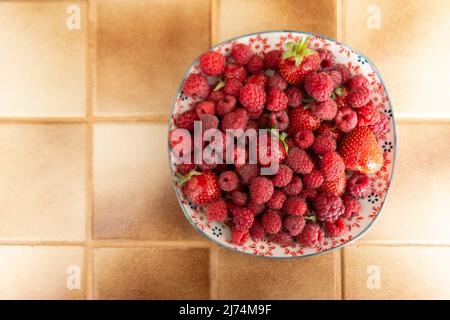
[(257, 231), (216, 95), (258, 208), (207, 166), (259, 79), (346, 119), (252, 124), (256, 115), (233, 87), (235, 71), (255, 64), (358, 97), (358, 80), (272, 59), (344, 71), (241, 53), (304, 139), (326, 58), (335, 228), (319, 86), (231, 208), (295, 187), (209, 122), (239, 198), (243, 218), (226, 105), (252, 97), (329, 128), (228, 181), (295, 96), (312, 235), (212, 63), (381, 127), (325, 110), (335, 77), (283, 176), (196, 86), (310, 194), (328, 207), (186, 120), (282, 238), (184, 168), (358, 185), (271, 221), (247, 172), (294, 224), (205, 107), (313, 180), (332, 166), (295, 206), (217, 210), (324, 143), (239, 237), (278, 120), (351, 205), (236, 119), (336, 187), (277, 82), (299, 161), (276, 201), (261, 189), (277, 100), (368, 115)]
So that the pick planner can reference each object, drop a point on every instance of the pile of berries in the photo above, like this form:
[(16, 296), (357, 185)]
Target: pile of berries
[(329, 130)]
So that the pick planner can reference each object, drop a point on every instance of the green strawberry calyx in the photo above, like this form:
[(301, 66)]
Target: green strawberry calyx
[(282, 137), (297, 51), (183, 179), (311, 217)]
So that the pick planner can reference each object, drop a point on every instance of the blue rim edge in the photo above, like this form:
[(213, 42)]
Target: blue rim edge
[(284, 257)]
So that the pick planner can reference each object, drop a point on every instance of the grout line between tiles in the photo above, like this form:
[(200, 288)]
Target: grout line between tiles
[(213, 263), (339, 20), (342, 19), (343, 288), (338, 273), (214, 19), (123, 243), (395, 243)]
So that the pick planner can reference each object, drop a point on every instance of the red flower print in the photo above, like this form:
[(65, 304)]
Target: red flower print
[(380, 183), (284, 39), (259, 44), (262, 248), (294, 250)]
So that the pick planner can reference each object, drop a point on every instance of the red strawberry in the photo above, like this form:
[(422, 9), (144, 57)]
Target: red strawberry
[(201, 188), (302, 119), (336, 187), (298, 60), (360, 151)]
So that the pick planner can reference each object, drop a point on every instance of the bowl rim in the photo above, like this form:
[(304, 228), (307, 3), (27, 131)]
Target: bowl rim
[(177, 192)]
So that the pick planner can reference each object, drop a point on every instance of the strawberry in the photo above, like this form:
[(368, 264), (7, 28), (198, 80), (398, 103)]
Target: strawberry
[(298, 60), (360, 151), (201, 188), (336, 187), (302, 118)]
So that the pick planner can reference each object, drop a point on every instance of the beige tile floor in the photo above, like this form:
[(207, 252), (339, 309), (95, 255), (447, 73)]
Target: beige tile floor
[(87, 209)]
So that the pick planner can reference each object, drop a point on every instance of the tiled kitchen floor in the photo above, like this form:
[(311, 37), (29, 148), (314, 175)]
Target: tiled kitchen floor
[(87, 208)]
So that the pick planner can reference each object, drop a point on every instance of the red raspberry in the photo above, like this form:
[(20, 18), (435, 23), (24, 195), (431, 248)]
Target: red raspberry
[(319, 86), (186, 120), (247, 172), (184, 168), (252, 97), (358, 80), (368, 115), (276, 201), (310, 194), (335, 228), (381, 127), (212, 63), (239, 237), (233, 87), (358, 185), (332, 166), (257, 231), (358, 97), (243, 218), (346, 119), (313, 180), (329, 128), (295, 96), (344, 71), (351, 205), (283, 176), (256, 64), (271, 221), (226, 105), (272, 59), (241, 53), (252, 124), (299, 161), (236, 119), (277, 100), (277, 82), (239, 198), (259, 79), (295, 206), (216, 95), (261, 189), (325, 110), (282, 238), (205, 107), (196, 86), (217, 210), (228, 181), (335, 77), (295, 187), (312, 235), (256, 115), (235, 71), (328, 207), (326, 58), (304, 139), (209, 122), (231, 208), (324, 143), (294, 224), (336, 187), (278, 120), (258, 208)]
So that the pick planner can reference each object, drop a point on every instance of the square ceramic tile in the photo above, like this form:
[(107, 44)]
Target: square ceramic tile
[(151, 273), (241, 276), (143, 50), (43, 58), (43, 181), (237, 17), (408, 42), (396, 272), (417, 208), (134, 197), (41, 273)]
